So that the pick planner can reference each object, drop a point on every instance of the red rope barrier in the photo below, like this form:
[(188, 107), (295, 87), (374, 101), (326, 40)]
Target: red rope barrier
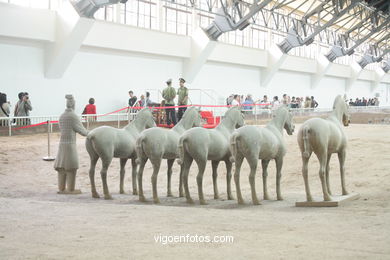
[(138, 108)]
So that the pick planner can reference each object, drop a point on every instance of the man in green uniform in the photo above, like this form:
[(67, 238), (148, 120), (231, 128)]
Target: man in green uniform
[(182, 92), (169, 94)]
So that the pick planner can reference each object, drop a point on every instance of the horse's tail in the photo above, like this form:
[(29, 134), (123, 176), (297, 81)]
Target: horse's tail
[(306, 145), (139, 148), (233, 146), (180, 149)]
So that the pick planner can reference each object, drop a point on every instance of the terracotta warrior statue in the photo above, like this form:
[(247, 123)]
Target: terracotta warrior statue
[(67, 161)]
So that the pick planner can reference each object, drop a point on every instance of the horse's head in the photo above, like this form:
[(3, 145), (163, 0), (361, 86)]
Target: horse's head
[(341, 105), (289, 124), (193, 113), (237, 116), (284, 115), (346, 117), (146, 116)]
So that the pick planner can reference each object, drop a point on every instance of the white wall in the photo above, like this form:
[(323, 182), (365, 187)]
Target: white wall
[(107, 76)]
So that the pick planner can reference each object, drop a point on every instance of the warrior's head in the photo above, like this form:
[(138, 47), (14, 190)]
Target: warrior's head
[(70, 103)]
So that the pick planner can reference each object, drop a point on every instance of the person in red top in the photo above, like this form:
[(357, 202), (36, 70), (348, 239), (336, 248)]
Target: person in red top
[(90, 109)]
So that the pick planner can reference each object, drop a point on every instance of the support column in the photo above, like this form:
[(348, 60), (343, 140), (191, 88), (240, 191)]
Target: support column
[(378, 76), (323, 65), (71, 30), (275, 60), (356, 70), (201, 48)]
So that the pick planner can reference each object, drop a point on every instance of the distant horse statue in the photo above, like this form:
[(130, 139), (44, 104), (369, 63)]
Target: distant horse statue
[(157, 143), (106, 142), (253, 143), (324, 137), (201, 144)]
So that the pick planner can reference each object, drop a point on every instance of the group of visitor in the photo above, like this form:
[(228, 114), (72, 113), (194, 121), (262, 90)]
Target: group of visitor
[(363, 102), (22, 109), (291, 102)]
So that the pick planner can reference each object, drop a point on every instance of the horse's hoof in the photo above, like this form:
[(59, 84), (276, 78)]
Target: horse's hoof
[(216, 197), (266, 197), (95, 195), (156, 201), (203, 202), (142, 199), (181, 195), (327, 198), (345, 192), (241, 202), (190, 201), (122, 192), (256, 202), (135, 192), (169, 195), (230, 197), (108, 197), (279, 198)]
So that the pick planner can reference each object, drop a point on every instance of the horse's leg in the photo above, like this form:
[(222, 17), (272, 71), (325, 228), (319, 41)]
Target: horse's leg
[(156, 167), (105, 163), (134, 175), (122, 174), (229, 179), (139, 176), (94, 157), (327, 174), (322, 156), (214, 165), (238, 162), (252, 161), (181, 193), (279, 164), (264, 165), (92, 177), (187, 161), (341, 155), (305, 162), (199, 178), (169, 174)]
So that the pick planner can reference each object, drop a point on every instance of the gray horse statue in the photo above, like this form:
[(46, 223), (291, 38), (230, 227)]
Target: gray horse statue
[(202, 144), (106, 142), (254, 143), (325, 137), (156, 144)]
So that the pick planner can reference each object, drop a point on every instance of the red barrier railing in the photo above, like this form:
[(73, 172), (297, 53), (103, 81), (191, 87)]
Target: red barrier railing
[(139, 108)]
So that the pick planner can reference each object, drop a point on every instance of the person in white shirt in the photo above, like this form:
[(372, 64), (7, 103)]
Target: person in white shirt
[(236, 100), (275, 102)]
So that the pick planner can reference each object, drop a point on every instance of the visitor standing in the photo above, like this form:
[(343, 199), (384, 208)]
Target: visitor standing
[(4, 109), (90, 109), (169, 94), (182, 94)]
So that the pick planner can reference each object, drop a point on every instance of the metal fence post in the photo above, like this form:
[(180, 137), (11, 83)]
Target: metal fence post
[(48, 157), (255, 114), (10, 127)]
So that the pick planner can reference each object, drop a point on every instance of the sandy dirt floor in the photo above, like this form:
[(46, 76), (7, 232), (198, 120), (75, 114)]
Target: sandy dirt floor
[(36, 222)]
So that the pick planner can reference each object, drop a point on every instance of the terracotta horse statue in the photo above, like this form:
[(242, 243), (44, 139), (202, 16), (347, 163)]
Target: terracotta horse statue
[(202, 144), (325, 137), (106, 142), (157, 143), (254, 143)]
